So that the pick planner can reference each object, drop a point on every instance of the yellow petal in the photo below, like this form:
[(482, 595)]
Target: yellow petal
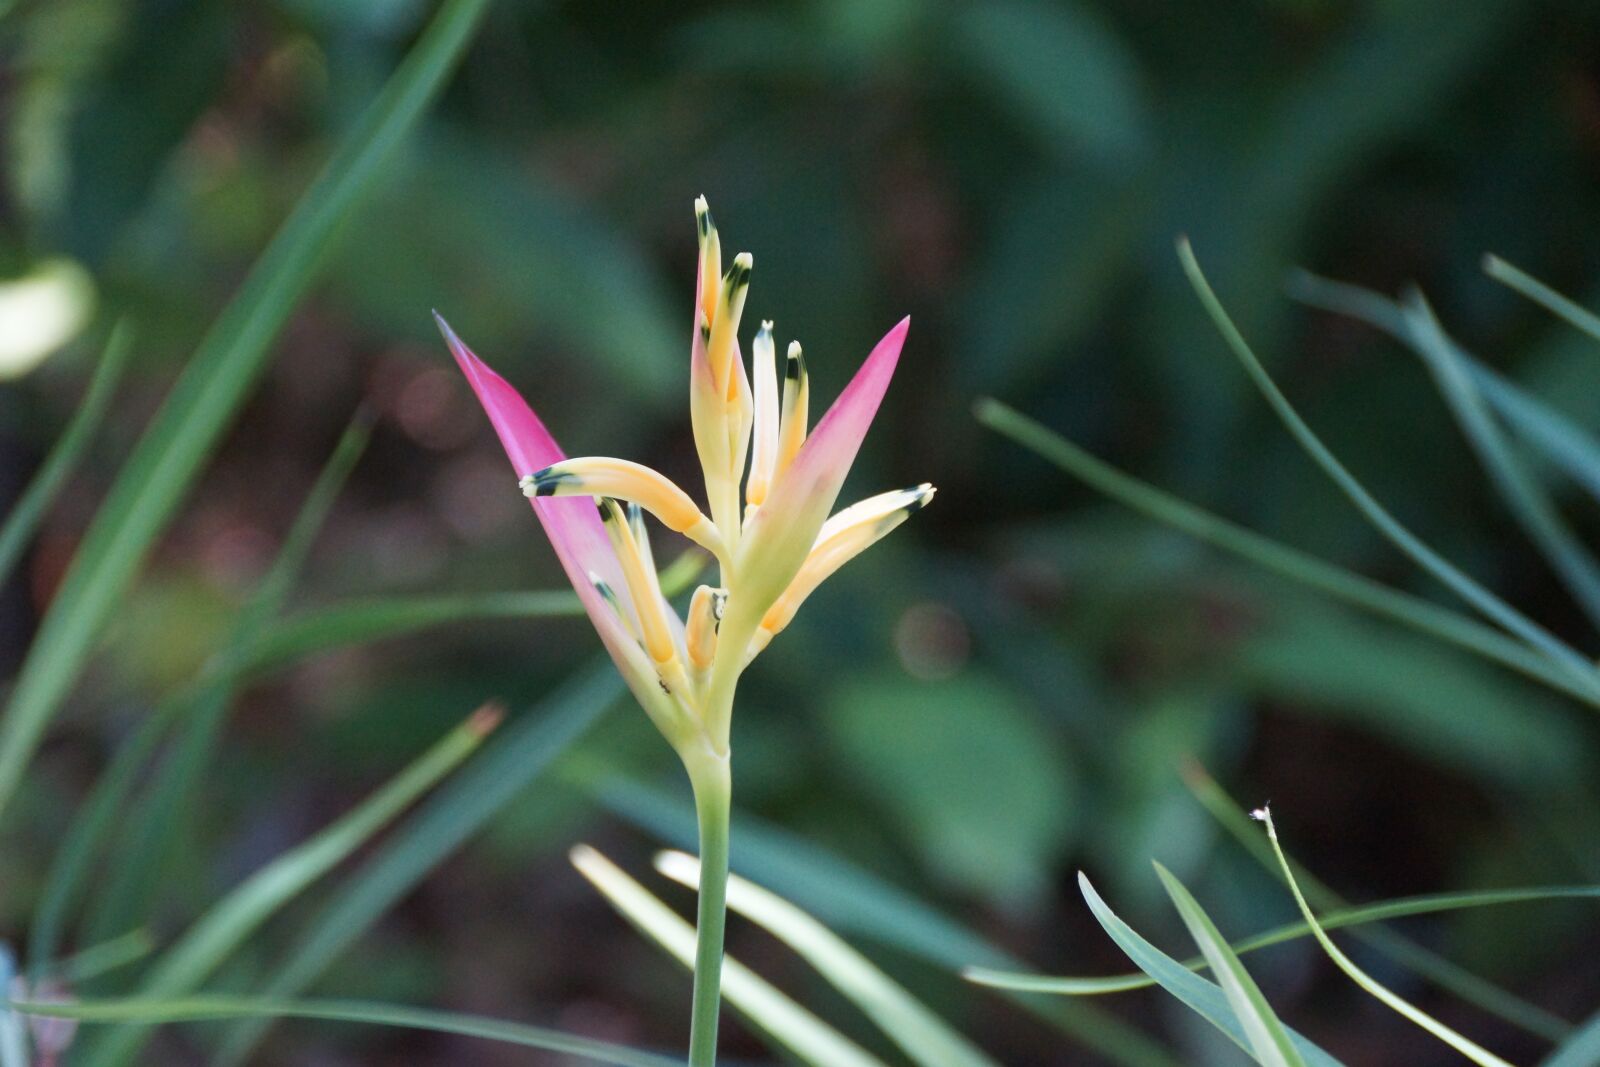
[(626, 480)]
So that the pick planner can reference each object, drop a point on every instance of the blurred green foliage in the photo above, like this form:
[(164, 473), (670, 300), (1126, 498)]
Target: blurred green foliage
[(1005, 693)]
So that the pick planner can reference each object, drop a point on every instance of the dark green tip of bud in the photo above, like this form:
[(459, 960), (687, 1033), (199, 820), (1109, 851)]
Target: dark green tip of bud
[(737, 276), (635, 514), (604, 507), (796, 365), (546, 481)]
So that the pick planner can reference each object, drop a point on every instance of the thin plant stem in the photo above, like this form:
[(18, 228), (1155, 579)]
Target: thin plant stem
[(712, 782)]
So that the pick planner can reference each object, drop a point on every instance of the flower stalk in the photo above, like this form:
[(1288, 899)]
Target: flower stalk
[(770, 485)]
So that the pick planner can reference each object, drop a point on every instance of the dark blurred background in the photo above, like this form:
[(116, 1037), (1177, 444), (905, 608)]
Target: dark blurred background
[(1004, 694)]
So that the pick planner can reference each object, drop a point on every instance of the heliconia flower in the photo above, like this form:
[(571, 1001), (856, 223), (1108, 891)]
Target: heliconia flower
[(770, 486)]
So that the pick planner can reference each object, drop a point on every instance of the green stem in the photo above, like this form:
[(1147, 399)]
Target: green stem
[(713, 785)]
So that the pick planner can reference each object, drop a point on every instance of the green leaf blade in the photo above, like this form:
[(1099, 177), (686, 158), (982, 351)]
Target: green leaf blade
[(1269, 1042), (228, 362)]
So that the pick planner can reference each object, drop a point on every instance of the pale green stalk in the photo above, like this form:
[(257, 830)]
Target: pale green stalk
[(713, 788)]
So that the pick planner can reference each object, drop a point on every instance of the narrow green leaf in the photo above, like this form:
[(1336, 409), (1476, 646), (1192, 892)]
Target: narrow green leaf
[(23, 520), (153, 830), (230, 359), (1268, 1041), (1533, 509), (1582, 1049), (518, 755), (1470, 1049), (237, 915), (339, 625), (852, 900), (1351, 918), (1204, 997), (326, 629), (1469, 590), (1404, 951), (1567, 445), (923, 1036), (150, 1012), (1576, 315), (786, 1023), (107, 956), (1415, 612)]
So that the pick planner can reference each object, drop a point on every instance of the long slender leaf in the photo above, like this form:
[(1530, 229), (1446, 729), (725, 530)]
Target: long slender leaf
[(1469, 590), (1582, 1049), (150, 1012), (1576, 315), (852, 900), (1269, 1042), (96, 960), (229, 360), (1404, 951), (521, 751), (1558, 438), (24, 518), (153, 831), (786, 1023), (923, 1036), (338, 625), (1204, 997), (1534, 511), (216, 934), (1415, 612), (1351, 918), (1468, 1048)]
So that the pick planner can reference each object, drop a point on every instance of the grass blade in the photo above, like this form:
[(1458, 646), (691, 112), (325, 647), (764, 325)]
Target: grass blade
[(23, 520), (1269, 1043), (1576, 316), (1291, 563), (521, 751), (850, 899), (325, 629), (923, 1036), (1404, 951), (237, 915), (786, 1023), (229, 360), (1348, 918), (1582, 1049), (1470, 1049), (153, 831), (333, 627), (203, 1008), (1201, 996), (1469, 590), (96, 960), (1563, 442), (1524, 497)]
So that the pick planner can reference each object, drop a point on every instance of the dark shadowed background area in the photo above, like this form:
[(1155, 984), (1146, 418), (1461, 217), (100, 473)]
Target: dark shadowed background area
[(1004, 692)]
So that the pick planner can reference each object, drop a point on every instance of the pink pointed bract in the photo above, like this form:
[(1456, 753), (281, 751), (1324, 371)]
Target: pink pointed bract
[(571, 523)]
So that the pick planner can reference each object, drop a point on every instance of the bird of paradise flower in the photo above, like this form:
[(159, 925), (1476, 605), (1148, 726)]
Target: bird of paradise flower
[(770, 486)]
